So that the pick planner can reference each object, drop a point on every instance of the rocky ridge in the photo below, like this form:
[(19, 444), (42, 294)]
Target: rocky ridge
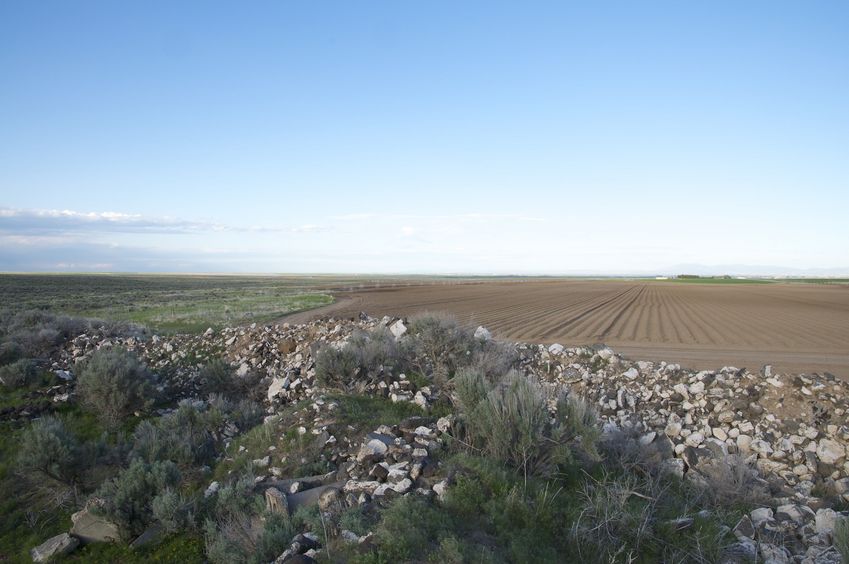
[(790, 428)]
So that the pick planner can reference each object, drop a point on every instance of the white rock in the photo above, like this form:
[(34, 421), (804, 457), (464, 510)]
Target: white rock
[(761, 515), (830, 451), (482, 333), (398, 329), (631, 374), (555, 349)]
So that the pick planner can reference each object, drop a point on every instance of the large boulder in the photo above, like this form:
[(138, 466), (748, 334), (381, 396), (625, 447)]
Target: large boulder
[(89, 527), (53, 547)]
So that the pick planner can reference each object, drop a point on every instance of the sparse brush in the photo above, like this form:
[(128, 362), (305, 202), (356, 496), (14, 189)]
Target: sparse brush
[(616, 516), (365, 357), (733, 481), (841, 538), (18, 374), (441, 343), (127, 499), (114, 384), (48, 448), (509, 421)]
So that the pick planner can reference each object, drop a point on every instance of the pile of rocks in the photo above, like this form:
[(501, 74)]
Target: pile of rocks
[(791, 428), (397, 460)]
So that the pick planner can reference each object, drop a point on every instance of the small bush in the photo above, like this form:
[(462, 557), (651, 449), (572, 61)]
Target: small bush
[(234, 531), (19, 373), (216, 377), (616, 518), (172, 510), (10, 351), (48, 448), (183, 436), (114, 384), (365, 357), (441, 343), (127, 499), (841, 538), (509, 421), (732, 481)]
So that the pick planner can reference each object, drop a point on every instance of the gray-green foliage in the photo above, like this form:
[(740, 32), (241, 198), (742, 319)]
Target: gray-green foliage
[(114, 384), (366, 356), (127, 499), (234, 531), (189, 435), (841, 538), (48, 448), (442, 346), (172, 510), (441, 343), (20, 373), (508, 419)]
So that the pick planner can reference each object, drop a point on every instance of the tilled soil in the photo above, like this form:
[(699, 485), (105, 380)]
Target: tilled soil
[(794, 327)]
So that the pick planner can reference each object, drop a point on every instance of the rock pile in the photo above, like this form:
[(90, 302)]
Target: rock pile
[(792, 429)]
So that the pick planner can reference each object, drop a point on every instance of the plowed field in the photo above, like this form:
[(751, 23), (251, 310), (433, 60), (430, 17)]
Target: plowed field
[(795, 327)]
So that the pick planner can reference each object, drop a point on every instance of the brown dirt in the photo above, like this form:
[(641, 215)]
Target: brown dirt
[(794, 327)]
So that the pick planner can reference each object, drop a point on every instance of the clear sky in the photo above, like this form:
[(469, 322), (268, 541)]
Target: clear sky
[(470, 137)]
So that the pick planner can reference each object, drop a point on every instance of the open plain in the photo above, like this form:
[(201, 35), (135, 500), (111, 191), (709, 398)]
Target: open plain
[(796, 327)]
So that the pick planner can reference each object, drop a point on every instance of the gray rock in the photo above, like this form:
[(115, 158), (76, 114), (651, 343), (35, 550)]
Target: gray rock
[(59, 545), (482, 333), (89, 527), (830, 451)]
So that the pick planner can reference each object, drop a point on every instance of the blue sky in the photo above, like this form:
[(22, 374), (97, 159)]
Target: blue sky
[(475, 137)]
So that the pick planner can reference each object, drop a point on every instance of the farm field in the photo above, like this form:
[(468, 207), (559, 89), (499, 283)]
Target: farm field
[(794, 327)]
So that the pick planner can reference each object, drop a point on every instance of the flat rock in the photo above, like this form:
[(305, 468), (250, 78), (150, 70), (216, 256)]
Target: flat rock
[(59, 545)]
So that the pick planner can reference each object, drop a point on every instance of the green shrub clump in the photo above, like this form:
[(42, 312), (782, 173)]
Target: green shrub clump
[(114, 384), (365, 357), (128, 499), (508, 420), (18, 374), (49, 449)]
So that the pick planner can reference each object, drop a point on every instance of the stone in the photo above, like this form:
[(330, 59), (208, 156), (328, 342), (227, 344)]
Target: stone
[(556, 349), (277, 386), (673, 428), (483, 333), (59, 545), (761, 515), (212, 489), (830, 451), (276, 502), (825, 520), (631, 374), (696, 388), (774, 554), (329, 499), (744, 528), (89, 527), (398, 329), (694, 439), (373, 449)]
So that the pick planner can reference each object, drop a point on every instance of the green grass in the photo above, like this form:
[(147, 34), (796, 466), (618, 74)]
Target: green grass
[(166, 303), (183, 548)]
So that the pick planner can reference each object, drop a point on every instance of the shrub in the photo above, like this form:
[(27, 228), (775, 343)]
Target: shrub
[(183, 436), (442, 344), (48, 448), (216, 377), (114, 384), (841, 538), (127, 499), (509, 421), (10, 351), (234, 532), (366, 356), (19, 373), (733, 481), (615, 516), (172, 510)]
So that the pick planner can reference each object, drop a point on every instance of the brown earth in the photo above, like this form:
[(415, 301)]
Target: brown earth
[(794, 327)]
